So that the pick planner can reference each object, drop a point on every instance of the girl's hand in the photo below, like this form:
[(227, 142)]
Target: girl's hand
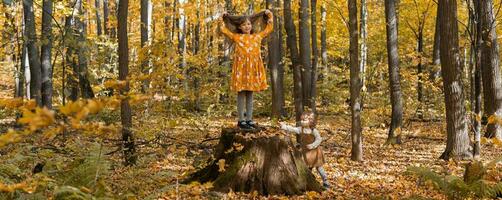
[(282, 124)]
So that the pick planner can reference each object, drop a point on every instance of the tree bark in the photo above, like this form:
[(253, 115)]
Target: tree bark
[(457, 144), (476, 78), (276, 70), (364, 47), (293, 52), (145, 38), (33, 54), (106, 13), (436, 59), (47, 90), (129, 150), (98, 18), (266, 165), (492, 81), (315, 55), (305, 52), (324, 46), (355, 85), (394, 79), (82, 54)]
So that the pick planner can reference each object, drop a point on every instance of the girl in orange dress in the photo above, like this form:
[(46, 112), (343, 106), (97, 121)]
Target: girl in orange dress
[(248, 72)]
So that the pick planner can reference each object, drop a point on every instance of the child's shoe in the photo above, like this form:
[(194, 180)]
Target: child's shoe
[(252, 124), (244, 126), (326, 185)]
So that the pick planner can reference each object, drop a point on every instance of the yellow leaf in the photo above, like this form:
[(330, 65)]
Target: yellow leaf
[(221, 165), (492, 119), (484, 140), (497, 142)]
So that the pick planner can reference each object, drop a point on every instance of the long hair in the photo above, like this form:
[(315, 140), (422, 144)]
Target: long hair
[(258, 22)]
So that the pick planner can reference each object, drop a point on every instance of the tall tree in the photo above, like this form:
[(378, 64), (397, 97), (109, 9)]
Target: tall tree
[(324, 46), (82, 51), (315, 54), (33, 54), (457, 144), (355, 85), (436, 59), (364, 46), (475, 69), (98, 17), (305, 51), (490, 69), (276, 71), (106, 13), (146, 20), (293, 52), (46, 54), (130, 156), (394, 79)]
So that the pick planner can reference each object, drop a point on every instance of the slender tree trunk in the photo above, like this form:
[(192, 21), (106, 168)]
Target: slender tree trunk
[(436, 59), (280, 69), (146, 9), (476, 78), (130, 156), (82, 54), (315, 54), (355, 85), (293, 51), (394, 79), (33, 54), (106, 13), (46, 54), (491, 75), (420, 51), (25, 65), (457, 144), (305, 52), (274, 66), (324, 46), (98, 17), (364, 47), (182, 44)]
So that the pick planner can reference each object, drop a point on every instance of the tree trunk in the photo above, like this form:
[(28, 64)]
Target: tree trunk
[(267, 165), (436, 59), (364, 47), (315, 55), (146, 9), (420, 51), (130, 156), (492, 82), (394, 79), (305, 52), (46, 54), (106, 13), (82, 54), (274, 66), (293, 51), (457, 144), (33, 54), (98, 18), (355, 85), (476, 79), (324, 46), (182, 44)]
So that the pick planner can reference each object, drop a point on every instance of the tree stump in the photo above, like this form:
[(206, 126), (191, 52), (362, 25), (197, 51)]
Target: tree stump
[(261, 161)]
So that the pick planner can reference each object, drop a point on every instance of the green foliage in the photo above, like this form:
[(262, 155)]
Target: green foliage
[(471, 185), (70, 193)]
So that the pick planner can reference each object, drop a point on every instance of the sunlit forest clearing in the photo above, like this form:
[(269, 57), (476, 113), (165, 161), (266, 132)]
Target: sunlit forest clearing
[(241, 99)]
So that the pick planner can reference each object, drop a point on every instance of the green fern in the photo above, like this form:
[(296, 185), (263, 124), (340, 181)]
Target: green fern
[(472, 185), (89, 171)]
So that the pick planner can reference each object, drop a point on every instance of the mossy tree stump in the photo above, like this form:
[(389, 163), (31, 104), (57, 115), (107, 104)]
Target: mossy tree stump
[(260, 162)]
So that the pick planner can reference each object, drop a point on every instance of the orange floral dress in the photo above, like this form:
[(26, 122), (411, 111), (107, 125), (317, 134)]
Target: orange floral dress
[(248, 72)]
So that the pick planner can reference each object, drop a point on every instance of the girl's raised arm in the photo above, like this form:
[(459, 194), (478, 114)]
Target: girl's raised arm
[(270, 25), (227, 32)]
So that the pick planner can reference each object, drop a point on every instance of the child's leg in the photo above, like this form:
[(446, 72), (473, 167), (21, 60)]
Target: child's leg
[(249, 105), (322, 173), (241, 96)]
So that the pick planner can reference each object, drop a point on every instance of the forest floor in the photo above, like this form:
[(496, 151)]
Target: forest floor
[(380, 176)]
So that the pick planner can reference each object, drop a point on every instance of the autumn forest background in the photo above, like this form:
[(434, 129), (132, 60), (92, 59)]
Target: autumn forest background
[(125, 99)]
